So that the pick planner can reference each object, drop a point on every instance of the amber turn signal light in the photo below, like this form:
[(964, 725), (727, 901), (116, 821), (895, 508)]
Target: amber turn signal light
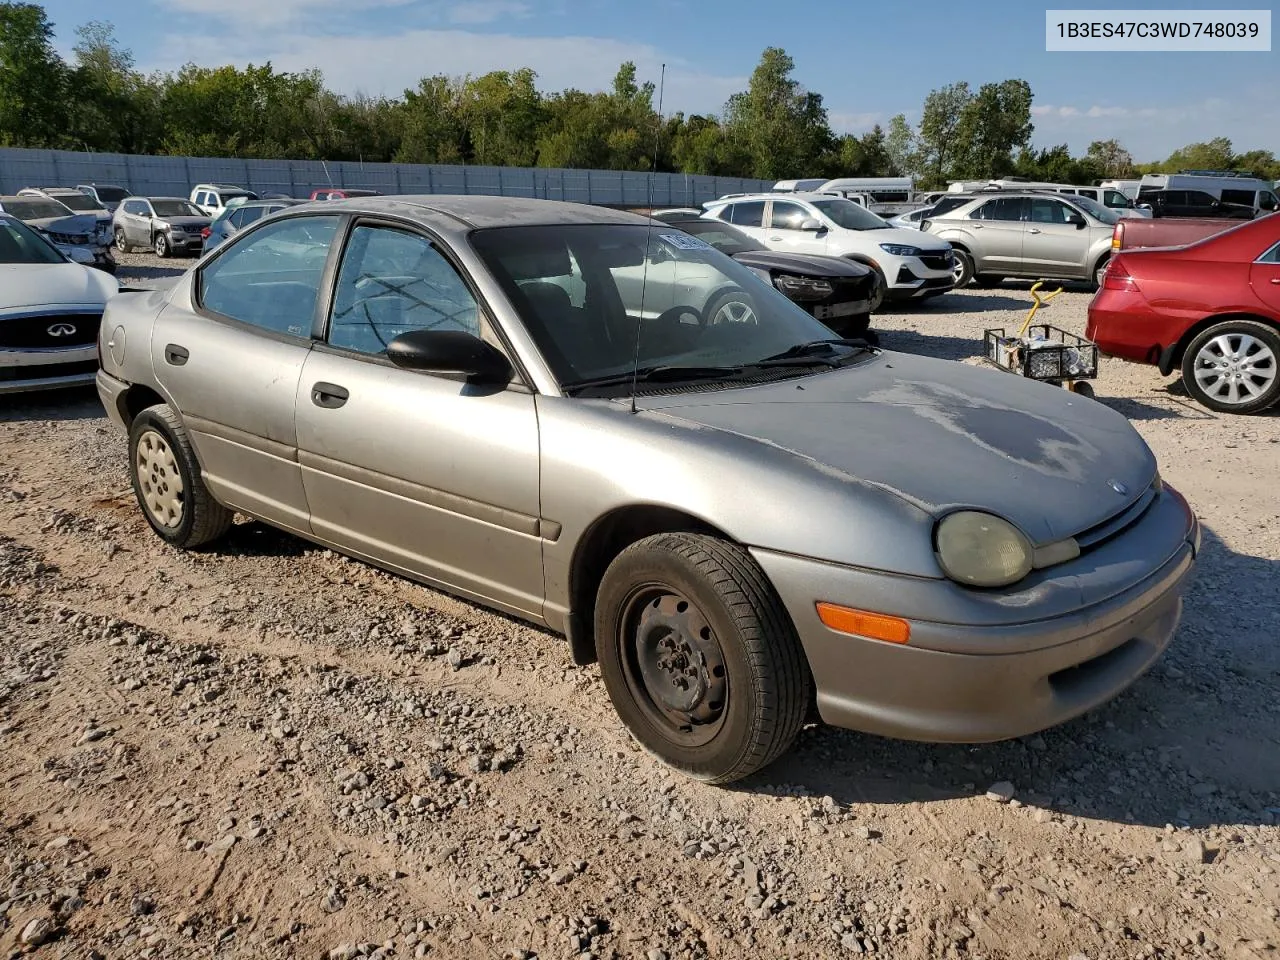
[(877, 626)]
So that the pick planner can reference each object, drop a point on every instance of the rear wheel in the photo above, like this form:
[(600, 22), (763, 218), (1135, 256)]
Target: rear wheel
[(1234, 367), (699, 656), (166, 480), (731, 306), (986, 281), (962, 271), (1099, 272)]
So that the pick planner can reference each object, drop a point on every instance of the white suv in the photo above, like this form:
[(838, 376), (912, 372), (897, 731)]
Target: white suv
[(213, 198), (909, 264)]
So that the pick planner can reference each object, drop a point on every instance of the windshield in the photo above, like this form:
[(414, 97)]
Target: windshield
[(847, 214), (581, 291), (111, 194), (1096, 210), (78, 201), (728, 240), (175, 208), (20, 244), (25, 209)]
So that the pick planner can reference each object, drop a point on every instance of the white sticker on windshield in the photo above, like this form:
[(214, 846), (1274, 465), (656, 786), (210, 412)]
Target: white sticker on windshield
[(682, 241)]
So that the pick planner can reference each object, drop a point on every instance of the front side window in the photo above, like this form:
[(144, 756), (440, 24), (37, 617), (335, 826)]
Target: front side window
[(675, 313), (849, 215), (1271, 256), (749, 214), (1044, 210), (392, 282), (1115, 199), (1267, 200), (271, 278), (788, 216), (1096, 210)]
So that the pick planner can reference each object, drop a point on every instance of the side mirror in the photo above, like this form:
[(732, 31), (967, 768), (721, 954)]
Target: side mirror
[(811, 225), (449, 351), (1077, 220)]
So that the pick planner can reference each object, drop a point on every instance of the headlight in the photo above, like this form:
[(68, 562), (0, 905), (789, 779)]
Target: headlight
[(981, 550), (900, 249), (803, 288)]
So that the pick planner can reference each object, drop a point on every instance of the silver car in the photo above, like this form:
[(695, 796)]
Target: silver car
[(1029, 234), (735, 519), (164, 225)]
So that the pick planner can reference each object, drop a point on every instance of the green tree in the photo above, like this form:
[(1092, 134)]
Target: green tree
[(502, 112), (781, 127), (33, 79), (993, 123), (433, 128), (1113, 160), (940, 121), (900, 145)]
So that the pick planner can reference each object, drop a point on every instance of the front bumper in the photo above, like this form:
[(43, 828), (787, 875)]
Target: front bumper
[(110, 390), (186, 242), (972, 682), (914, 277), (26, 370)]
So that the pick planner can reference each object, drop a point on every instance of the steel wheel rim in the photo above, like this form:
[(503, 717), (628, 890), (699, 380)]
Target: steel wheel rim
[(958, 270), (1235, 368), (735, 311), (161, 245), (159, 480), (673, 665), (121, 243)]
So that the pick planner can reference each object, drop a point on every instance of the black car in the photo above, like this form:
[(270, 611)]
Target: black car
[(1193, 203), (836, 291)]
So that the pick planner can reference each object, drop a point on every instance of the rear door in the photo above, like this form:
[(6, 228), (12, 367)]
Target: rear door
[(421, 472), (232, 365), (748, 216), (1051, 243), (996, 229), (784, 233)]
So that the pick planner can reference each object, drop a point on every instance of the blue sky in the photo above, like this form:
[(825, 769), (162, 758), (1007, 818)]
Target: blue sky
[(869, 60)]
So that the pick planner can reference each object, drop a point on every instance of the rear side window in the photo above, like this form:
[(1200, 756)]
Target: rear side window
[(1002, 208), (1198, 198), (248, 215), (750, 214), (271, 279)]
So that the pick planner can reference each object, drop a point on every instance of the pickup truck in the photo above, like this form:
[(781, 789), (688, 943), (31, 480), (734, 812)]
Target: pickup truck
[(1132, 233)]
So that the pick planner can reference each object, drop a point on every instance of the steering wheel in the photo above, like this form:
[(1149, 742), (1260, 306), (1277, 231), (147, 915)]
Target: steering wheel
[(668, 334)]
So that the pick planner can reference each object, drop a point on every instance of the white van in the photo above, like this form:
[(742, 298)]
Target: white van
[(1225, 186), (798, 186), (1128, 187)]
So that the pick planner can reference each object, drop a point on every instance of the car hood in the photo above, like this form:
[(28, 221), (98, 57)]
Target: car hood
[(28, 285), (812, 265), (909, 238), (80, 223), (943, 435), (187, 222)]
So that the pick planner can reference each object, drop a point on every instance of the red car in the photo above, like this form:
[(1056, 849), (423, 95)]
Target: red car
[(342, 193), (1210, 308)]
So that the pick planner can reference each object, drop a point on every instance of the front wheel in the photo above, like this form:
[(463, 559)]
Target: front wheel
[(962, 271), (166, 480), (122, 242), (161, 245), (1234, 367), (699, 656)]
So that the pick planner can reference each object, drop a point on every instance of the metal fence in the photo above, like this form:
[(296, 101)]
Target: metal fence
[(176, 176)]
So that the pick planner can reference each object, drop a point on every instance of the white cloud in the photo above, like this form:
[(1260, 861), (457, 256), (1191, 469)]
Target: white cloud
[(846, 122), (254, 14), (487, 11)]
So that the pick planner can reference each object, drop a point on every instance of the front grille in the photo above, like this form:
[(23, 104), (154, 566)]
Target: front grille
[(937, 261), (49, 331), (1117, 523), (74, 239), (44, 371)]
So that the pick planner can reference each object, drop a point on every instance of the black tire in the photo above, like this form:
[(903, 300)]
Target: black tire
[(755, 696), (1256, 346), (880, 293), (122, 242), (987, 281), (160, 244), (963, 271), (1099, 269), (201, 519), (731, 306)]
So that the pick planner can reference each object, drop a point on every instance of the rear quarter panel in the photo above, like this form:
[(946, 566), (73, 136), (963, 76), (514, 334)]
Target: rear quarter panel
[(1168, 231)]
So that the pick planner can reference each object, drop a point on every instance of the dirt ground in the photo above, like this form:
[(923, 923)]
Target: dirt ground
[(267, 750)]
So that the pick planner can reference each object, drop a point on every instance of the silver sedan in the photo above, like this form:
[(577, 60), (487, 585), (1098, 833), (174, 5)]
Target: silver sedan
[(740, 521)]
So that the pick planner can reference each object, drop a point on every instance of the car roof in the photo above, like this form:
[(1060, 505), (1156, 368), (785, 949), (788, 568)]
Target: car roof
[(143, 196), (480, 212)]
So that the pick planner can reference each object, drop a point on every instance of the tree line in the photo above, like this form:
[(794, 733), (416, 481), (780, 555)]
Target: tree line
[(99, 101)]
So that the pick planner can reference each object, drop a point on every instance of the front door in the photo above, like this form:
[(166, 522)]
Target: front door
[(1264, 277), (1051, 244), (784, 233), (422, 473), (232, 368)]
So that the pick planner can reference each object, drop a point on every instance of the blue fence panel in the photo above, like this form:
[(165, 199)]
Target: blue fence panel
[(176, 176)]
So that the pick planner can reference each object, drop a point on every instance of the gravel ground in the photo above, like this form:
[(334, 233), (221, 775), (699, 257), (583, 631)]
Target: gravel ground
[(268, 750)]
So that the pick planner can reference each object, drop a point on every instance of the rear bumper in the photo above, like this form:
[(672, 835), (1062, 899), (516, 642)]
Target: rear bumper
[(1020, 678), (1123, 325)]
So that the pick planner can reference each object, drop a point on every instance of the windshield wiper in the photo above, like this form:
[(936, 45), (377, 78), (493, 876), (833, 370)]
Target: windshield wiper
[(811, 353), (659, 374)]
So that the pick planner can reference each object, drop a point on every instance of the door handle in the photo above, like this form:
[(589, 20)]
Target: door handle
[(976, 226), (328, 395), (776, 239), (176, 355), (1276, 281), (1033, 230)]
